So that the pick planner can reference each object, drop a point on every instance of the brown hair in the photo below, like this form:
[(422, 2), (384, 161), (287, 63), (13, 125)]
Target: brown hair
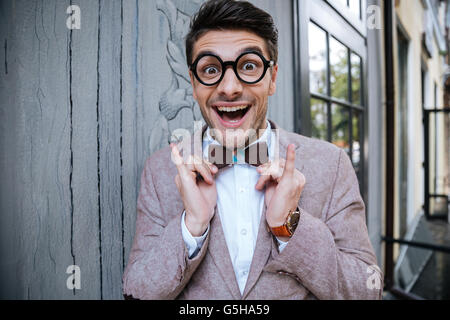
[(232, 15)]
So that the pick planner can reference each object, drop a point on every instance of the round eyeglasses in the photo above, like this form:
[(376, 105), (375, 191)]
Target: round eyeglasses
[(249, 67)]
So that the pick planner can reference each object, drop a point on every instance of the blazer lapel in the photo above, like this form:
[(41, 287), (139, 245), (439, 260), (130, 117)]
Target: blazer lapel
[(218, 250)]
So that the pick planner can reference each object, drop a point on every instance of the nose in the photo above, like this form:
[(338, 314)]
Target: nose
[(230, 86)]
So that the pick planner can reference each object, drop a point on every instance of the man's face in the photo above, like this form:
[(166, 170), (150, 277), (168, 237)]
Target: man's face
[(233, 129)]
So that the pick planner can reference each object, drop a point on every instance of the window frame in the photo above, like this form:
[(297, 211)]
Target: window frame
[(329, 18), (347, 14), (402, 163)]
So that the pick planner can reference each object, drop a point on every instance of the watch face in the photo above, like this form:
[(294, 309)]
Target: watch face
[(293, 221)]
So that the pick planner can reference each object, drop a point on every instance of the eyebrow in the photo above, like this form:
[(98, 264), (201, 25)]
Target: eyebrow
[(246, 49), (254, 48)]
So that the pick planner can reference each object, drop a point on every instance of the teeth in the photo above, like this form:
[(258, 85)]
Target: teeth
[(231, 109)]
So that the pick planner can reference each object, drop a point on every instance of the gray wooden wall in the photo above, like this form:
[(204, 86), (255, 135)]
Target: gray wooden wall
[(80, 111)]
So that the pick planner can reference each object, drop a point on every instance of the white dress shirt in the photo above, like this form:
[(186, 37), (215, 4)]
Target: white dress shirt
[(239, 206)]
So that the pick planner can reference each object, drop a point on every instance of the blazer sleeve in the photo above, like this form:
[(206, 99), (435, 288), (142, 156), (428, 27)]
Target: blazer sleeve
[(333, 259), (159, 266)]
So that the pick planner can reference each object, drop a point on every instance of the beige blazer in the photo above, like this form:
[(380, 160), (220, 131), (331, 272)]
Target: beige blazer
[(328, 257)]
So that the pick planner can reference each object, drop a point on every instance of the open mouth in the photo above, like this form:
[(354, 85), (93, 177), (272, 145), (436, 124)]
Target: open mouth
[(232, 116)]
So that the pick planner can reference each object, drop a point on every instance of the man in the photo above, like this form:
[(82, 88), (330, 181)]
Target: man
[(291, 228)]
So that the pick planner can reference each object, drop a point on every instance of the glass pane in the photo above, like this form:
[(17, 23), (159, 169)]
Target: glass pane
[(317, 59), (438, 162), (340, 118), (319, 119), (339, 70), (438, 146), (432, 151), (356, 155), (356, 78), (355, 8)]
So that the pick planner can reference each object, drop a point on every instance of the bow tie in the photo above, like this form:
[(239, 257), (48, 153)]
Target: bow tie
[(255, 155)]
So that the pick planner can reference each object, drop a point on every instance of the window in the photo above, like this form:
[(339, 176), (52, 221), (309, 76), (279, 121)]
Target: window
[(352, 11), (330, 61), (353, 5), (336, 93)]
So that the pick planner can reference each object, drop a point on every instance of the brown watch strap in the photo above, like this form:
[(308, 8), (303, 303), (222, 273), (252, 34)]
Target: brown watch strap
[(281, 231), (288, 228)]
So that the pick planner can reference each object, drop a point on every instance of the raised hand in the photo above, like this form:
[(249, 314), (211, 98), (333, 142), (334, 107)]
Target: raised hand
[(284, 185), (199, 195)]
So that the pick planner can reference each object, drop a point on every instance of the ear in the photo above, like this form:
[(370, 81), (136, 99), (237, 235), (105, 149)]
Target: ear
[(273, 80), (191, 75)]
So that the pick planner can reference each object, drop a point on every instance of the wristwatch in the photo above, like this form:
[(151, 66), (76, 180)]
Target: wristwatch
[(288, 228)]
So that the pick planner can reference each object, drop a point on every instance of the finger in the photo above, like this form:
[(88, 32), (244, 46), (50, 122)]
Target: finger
[(262, 182), (271, 172), (277, 169), (211, 167), (264, 167), (301, 178), (274, 169), (289, 167), (199, 169), (184, 169), (177, 159), (204, 171)]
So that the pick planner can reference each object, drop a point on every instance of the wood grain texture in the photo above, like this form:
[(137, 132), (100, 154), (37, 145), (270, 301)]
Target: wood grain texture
[(36, 131), (130, 96), (109, 157), (85, 180)]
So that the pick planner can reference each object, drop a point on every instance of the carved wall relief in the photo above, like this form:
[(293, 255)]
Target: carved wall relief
[(178, 95)]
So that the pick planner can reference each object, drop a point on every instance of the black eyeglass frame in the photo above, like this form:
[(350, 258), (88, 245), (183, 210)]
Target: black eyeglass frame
[(224, 65)]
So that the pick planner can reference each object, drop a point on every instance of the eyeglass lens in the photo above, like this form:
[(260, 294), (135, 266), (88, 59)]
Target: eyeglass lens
[(249, 67)]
